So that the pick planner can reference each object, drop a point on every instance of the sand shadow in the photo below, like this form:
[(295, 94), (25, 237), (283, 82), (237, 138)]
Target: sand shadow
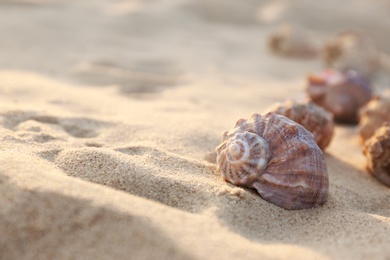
[(356, 188), (138, 80), (48, 225), (79, 127), (161, 179), (257, 220), (26, 3), (222, 12)]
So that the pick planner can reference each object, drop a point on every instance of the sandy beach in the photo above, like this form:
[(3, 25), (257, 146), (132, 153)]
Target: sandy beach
[(110, 112)]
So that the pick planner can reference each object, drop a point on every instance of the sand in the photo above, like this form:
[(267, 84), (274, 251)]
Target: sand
[(110, 112)]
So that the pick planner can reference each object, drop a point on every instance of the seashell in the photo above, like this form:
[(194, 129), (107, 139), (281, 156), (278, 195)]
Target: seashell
[(289, 41), (374, 114), (352, 50), (277, 157), (342, 94), (377, 151), (312, 117)]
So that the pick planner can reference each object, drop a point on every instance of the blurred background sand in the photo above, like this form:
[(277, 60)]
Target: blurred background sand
[(110, 112)]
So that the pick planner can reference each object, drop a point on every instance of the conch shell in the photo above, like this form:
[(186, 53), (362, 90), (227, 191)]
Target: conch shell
[(377, 151), (312, 117), (374, 114), (352, 50), (342, 94), (277, 157), (289, 41)]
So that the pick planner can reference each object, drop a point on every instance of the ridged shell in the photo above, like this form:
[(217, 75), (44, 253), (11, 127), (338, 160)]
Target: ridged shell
[(374, 114), (284, 163), (377, 151), (342, 94), (352, 50), (245, 154), (312, 117), (287, 40)]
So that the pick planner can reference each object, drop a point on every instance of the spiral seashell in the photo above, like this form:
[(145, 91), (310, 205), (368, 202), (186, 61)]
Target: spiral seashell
[(377, 151), (277, 157), (289, 41), (352, 50), (342, 94), (312, 117), (374, 114)]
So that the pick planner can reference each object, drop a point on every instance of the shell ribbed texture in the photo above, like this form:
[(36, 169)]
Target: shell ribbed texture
[(312, 117), (377, 151), (295, 176), (374, 114)]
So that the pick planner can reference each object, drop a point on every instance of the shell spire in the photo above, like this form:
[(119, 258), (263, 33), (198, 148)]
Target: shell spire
[(242, 157), (277, 157)]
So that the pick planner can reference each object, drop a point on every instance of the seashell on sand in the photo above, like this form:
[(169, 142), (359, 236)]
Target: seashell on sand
[(277, 157), (342, 94), (290, 41), (312, 117), (374, 114), (377, 151), (352, 50)]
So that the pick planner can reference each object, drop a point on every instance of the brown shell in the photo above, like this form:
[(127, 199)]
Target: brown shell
[(342, 94), (377, 151), (374, 114), (284, 163), (292, 42), (352, 50), (312, 117)]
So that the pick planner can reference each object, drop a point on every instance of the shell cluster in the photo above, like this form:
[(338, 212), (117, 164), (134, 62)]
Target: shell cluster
[(312, 117), (279, 154), (342, 94), (374, 114), (277, 157), (290, 41), (352, 50), (377, 151)]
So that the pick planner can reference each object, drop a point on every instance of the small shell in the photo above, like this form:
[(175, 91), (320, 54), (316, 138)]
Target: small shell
[(292, 42), (312, 117), (277, 157), (374, 114), (342, 94), (377, 151), (352, 50)]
